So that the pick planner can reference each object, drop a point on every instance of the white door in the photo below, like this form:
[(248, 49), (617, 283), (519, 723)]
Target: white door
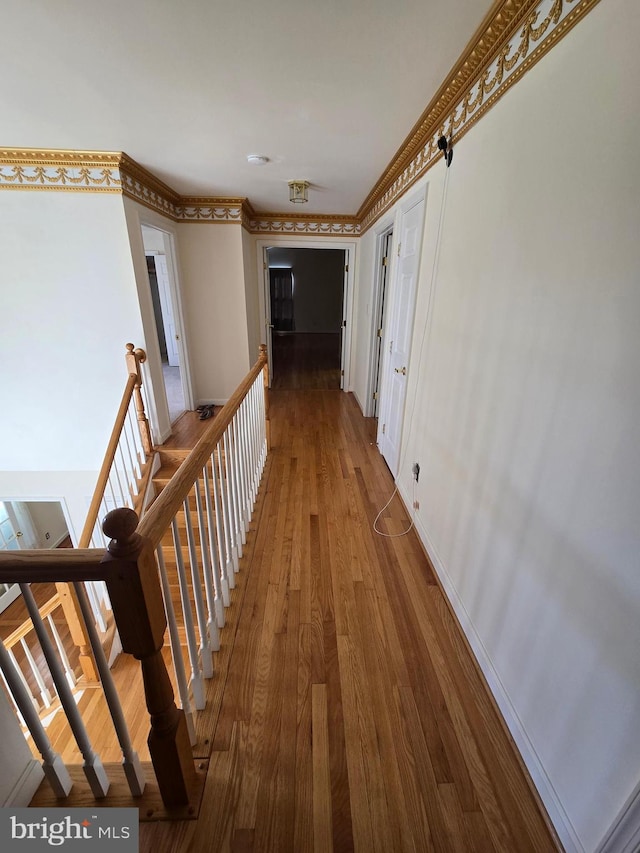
[(398, 337), (10, 540), (10, 533), (164, 292)]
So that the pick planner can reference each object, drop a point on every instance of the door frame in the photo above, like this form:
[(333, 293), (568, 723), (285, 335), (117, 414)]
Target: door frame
[(168, 239), (410, 201), (349, 247), (377, 299), (156, 398)]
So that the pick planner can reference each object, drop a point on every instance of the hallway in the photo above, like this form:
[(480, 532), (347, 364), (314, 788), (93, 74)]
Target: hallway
[(352, 716)]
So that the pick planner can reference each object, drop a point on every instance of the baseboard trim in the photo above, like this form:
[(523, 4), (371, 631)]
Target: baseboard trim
[(624, 835), (25, 788), (539, 778)]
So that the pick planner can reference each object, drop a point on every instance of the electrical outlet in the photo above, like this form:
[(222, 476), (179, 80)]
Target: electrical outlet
[(416, 471)]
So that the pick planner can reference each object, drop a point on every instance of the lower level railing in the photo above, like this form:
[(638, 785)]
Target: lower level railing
[(174, 569)]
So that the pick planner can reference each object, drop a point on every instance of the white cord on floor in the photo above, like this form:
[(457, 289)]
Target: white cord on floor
[(404, 532)]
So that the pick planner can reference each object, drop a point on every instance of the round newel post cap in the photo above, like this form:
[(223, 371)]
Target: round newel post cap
[(120, 526)]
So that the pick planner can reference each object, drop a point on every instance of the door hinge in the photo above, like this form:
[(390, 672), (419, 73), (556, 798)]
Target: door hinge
[(385, 261), (342, 373), (346, 267), (375, 395), (344, 322), (399, 245), (264, 265), (379, 333), (384, 428)]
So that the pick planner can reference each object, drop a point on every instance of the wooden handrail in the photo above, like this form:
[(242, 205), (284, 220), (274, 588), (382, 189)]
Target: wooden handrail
[(103, 476), (160, 514), (134, 358), (22, 630), (42, 566)]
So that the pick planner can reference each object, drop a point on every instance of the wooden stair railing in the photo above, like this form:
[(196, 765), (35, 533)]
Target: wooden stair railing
[(135, 474), (227, 463)]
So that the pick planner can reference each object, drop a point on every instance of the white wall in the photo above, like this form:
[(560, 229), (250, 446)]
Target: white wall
[(68, 308), (251, 292), (527, 405), (215, 307), (47, 517), (69, 305)]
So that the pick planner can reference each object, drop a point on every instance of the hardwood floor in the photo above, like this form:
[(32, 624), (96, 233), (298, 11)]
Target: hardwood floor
[(306, 360), (346, 713)]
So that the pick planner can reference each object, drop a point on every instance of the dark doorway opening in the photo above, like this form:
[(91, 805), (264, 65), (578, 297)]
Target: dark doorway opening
[(307, 316)]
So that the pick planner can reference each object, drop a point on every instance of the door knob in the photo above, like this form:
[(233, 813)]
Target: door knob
[(402, 370)]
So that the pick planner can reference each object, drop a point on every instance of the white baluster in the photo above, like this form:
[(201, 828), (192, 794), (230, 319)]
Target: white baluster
[(197, 683), (213, 550), (244, 480), (68, 671), (263, 426), (93, 769), (130, 761), (176, 648), (232, 553), (236, 511), (17, 668), (228, 501), (42, 687), (11, 696), (54, 770), (212, 625), (206, 656), (239, 476), (95, 606), (225, 562)]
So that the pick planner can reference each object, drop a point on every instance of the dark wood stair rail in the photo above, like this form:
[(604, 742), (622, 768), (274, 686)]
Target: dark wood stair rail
[(131, 575)]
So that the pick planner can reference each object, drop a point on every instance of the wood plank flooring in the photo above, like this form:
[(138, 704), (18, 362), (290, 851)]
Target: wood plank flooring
[(347, 711)]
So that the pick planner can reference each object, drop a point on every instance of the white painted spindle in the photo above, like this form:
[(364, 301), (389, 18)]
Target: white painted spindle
[(54, 770), (93, 769), (130, 761), (212, 624), (176, 648), (213, 548), (206, 656), (197, 683)]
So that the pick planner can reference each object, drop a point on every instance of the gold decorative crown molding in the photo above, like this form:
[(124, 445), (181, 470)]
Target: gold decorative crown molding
[(327, 226), (93, 171), (511, 39)]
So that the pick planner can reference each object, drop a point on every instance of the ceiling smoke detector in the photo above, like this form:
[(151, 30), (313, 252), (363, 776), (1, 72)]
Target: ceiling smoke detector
[(257, 159)]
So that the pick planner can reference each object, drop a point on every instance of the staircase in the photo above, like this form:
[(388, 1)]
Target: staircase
[(168, 574)]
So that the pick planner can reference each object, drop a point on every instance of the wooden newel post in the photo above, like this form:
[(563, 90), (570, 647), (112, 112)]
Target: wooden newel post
[(134, 358), (136, 598), (265, 379)]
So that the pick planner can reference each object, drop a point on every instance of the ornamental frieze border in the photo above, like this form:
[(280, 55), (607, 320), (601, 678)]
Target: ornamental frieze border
[(93, 171), (539, 26), (512, 38)]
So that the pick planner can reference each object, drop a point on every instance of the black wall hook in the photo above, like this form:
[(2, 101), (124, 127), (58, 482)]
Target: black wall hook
[(446, 149)]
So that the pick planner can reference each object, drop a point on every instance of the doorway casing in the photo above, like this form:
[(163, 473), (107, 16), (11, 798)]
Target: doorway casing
[(349, 247)]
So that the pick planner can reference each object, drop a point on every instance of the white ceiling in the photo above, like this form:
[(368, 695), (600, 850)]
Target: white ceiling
[(327, 89)]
